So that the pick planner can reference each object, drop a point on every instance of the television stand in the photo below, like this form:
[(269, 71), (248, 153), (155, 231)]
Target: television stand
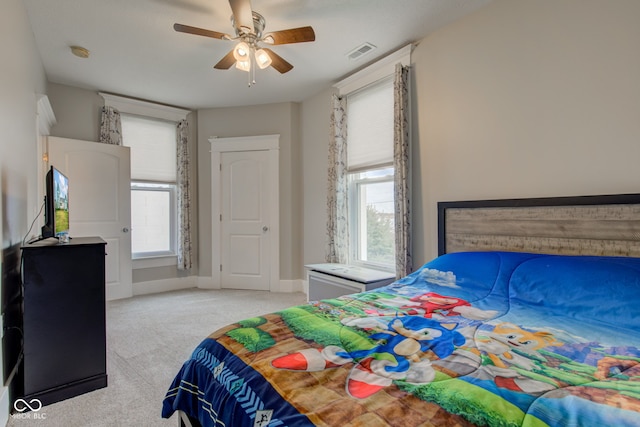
[(63, 319)]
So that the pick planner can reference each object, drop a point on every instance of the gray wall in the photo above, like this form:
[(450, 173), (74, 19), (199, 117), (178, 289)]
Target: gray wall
[(526, 99), (315, 153), (520, 99), (270, 119), (78, 117), (501, 109), (77, 112), (22, 79)]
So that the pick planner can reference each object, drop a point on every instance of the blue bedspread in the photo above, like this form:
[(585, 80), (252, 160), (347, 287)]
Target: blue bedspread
[(483, 338)]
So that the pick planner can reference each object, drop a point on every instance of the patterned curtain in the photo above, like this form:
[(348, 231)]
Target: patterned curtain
[(402, 171), (110, 126), (184, 197), (337, 227)]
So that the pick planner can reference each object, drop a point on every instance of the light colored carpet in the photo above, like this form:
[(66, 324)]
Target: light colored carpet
[(148, 339)]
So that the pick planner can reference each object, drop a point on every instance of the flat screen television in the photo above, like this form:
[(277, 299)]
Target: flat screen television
[(56, 204)]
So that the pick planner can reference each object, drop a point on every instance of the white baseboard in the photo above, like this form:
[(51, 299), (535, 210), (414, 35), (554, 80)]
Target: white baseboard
[(4, 406), (164, 285)]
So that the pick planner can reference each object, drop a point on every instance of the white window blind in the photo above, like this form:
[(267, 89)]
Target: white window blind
[(370, 127), (153, 148)]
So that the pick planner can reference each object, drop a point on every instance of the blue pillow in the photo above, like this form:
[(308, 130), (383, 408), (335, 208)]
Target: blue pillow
[(585, 288)]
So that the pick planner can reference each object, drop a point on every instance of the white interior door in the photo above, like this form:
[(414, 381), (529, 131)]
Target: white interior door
[(245, 220), (99, 202)]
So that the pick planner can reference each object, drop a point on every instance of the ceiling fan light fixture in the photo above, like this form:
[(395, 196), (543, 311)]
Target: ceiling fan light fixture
[(243, 65), (241, 52), (262, 59)]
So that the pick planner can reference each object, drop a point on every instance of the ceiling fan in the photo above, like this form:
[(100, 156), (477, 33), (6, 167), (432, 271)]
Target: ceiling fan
[(249, 26)]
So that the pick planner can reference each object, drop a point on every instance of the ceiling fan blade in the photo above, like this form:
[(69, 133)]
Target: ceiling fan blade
[(242, 15), (226, 62), (278, 62), (200, 32), (293, 35)]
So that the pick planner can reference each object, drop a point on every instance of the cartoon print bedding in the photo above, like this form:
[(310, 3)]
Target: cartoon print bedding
[(484, 338)]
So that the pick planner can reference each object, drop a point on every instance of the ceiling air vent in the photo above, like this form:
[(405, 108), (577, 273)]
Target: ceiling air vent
[(361, 50)]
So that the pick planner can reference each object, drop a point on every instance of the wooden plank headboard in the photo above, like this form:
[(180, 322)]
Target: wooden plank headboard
[(586, 225)]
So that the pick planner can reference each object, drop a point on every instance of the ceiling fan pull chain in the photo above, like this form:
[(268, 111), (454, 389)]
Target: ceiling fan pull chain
[(253, 69)]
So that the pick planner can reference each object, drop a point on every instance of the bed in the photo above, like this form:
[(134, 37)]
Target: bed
[(528, 317)]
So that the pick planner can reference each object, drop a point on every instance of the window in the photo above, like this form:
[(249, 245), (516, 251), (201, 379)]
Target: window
[(372, 214), (371, 175), (152, 213), (153, 185)]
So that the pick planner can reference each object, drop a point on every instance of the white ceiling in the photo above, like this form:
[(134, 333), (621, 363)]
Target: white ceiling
[(136, 52)]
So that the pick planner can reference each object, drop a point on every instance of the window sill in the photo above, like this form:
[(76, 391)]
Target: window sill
[(372, 266), (155, 261)]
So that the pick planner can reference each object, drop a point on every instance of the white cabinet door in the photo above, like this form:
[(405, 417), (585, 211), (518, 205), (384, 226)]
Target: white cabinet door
[(99, 202), (245, 221)]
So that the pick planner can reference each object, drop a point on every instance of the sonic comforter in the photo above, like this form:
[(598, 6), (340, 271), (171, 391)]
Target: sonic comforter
[(484, 338)]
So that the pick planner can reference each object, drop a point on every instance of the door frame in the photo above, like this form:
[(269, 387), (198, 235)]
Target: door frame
[(270, 143)]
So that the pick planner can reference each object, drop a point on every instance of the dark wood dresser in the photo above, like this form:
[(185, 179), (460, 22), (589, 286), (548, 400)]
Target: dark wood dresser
[(64, 322)]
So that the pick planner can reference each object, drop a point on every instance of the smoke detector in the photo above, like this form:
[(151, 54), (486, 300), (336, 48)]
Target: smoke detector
[(79, 51)]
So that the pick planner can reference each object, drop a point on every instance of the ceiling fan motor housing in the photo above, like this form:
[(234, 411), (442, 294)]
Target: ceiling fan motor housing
[(258, 27)]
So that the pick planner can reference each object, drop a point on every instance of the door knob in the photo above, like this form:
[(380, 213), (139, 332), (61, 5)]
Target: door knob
[(265, 228), (125, 230)]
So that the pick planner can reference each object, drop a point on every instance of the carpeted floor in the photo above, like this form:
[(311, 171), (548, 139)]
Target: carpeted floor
[(148, 338)]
